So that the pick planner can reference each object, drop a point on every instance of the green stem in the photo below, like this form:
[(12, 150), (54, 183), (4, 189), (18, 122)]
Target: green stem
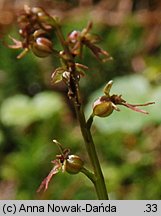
[(63, 42), (89, 174), (90, 121), (99, 182)]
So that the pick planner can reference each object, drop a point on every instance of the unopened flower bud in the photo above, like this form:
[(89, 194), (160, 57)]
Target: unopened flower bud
[(43, 17), (73, 36), (39, 33), (42, 47), (102, 107), (38, 11), (74, 164)]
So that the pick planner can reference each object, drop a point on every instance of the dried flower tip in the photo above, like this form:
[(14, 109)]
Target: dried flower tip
[(55, 141), (134, 107), (27, 9), (39, 33), (107, 88), (87, 29), (115, 107), (145, 104), (23, 53), (17, 44), (53, 172), (89, 26), (59, 145), (97, 51), (81, 66)]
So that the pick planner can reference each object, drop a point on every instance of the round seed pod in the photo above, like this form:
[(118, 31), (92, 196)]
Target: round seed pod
[(42, 47), (102, 107), (74, 164)]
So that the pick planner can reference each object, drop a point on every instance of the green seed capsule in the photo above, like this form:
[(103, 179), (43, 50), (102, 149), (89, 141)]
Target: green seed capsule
[(102, 107), (74, 164), (42, 47)]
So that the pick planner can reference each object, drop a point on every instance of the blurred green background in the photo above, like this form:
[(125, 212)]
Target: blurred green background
[(33, 112)]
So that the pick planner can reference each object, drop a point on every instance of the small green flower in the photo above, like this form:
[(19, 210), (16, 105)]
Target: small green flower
[(105, 104), (72, 164), (78, 39)]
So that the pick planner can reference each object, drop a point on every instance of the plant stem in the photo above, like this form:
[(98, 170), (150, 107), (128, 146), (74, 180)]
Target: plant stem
[(98, 181), (89, 174), (90, 121)]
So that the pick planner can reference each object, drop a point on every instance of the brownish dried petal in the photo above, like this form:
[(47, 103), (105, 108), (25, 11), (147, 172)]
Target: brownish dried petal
[(107, 88), (135, 107), (17, 44), (97, 51), (53, 172), (23, 53)]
